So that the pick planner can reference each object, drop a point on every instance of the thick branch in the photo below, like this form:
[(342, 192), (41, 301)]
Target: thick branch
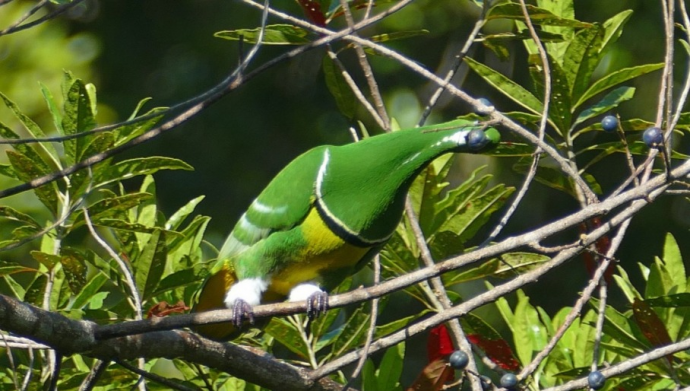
[(69, 336)]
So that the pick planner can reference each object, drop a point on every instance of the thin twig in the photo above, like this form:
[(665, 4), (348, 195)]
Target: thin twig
[(368, 72), (59, 10), (10, 358), (355, 89), (532, 172), (440, 295), (29, 370), (129, 278), (96, 371), (35, 8), (455, 66), (372, 327)]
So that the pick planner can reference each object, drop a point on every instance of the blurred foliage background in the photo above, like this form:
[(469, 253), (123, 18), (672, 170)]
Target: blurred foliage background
[(166, 50)]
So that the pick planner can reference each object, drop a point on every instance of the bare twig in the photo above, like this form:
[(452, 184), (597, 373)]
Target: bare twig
[(20, 27), (368, 72), (355, 89), (440, 295), (372, 326), (124, 269), (96, 371)]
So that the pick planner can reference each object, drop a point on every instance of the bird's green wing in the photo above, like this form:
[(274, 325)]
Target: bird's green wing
[(282, 205)]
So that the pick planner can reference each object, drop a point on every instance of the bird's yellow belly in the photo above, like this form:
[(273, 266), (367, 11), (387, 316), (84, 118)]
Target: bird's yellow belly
[(323, 251)]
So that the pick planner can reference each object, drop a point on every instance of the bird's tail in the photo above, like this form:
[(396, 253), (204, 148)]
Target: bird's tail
[(212, 297)]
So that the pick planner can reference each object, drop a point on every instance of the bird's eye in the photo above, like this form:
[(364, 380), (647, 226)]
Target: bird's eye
[(476, 139)]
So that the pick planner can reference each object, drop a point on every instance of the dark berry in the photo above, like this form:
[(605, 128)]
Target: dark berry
[(653, 137), (476, 139), (596, 380), (458, 359), (486, 383), (609, 123), (509, 381), (487, 103)]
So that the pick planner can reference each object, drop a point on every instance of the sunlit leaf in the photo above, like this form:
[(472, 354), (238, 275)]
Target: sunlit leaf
[(142, 166), (26, 170), (506, 86), (608, 102), (150, 265), (616, 78)]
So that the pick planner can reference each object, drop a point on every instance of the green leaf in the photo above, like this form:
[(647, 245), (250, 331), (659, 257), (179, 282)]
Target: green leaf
[(369, 382), (91, 289), (673, 260), (338, 87), (74, 265), (131, 227), (125, 133), (581, 58), (15, 215), (78, 117), (468, 212), (142, 166), (8, 171), (548, 176), (274, 34), (111, 207), (562, 9), (181, 214), (52, 108), (616, 78), (7, 268), (25, 149), (150, 265), (27, 170), (178, 279), (613, 28), (670, 301), (560, 108), (36, 290), (31, 127), (286, 333), (82, 178), (538, 16), (506, 86), (351, 333), (47, 260), (506, 266), (609, 102), (390, 369)]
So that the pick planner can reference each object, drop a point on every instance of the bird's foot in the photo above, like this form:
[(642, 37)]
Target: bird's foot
[(241, 310), (317, 304)]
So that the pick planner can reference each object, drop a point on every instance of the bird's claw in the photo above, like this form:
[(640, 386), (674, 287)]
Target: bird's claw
[(241, 310), (317, 304)]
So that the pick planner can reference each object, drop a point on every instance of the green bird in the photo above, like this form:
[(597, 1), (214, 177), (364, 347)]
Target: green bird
[(323, 217)]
